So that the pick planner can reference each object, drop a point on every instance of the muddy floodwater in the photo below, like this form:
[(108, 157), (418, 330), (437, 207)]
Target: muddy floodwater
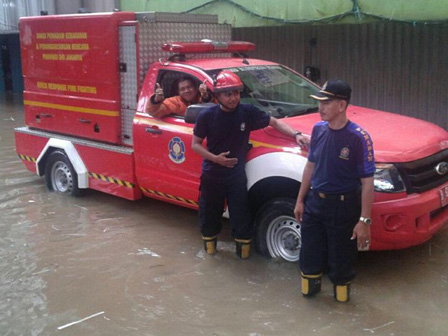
[(102, 265)]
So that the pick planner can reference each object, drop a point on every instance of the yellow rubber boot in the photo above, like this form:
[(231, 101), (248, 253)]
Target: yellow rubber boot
[(311, 284), (243, 248), (210, 244), (342, 292)]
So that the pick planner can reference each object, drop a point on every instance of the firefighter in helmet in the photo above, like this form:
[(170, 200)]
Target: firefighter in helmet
[(226, 127)]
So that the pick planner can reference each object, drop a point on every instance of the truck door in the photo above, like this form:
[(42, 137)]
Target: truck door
[(166, 166)]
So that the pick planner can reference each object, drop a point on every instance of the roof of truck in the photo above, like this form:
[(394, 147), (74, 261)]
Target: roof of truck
[(224, 62)]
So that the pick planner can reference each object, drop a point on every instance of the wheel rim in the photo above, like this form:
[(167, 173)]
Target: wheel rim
[(284, 239), (61, 177)]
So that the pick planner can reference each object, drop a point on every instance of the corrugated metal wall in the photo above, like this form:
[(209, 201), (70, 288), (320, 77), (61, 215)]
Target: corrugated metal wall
[(391, 66)]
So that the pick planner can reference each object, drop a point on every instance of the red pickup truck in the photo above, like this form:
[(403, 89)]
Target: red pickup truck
[(89, 77)]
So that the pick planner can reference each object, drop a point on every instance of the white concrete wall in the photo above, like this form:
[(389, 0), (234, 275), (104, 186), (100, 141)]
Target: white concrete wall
[(100, 5), (67, 6), (12, 10), (93, 6)]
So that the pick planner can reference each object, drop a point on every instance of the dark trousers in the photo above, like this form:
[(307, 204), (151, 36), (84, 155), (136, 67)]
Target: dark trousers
[(327, 227), (213, 193)]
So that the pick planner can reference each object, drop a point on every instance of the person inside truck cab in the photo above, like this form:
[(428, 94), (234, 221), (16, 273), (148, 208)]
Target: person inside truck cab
[(187, 93)]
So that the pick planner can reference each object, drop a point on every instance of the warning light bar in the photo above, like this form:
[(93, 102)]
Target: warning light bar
[(207, 46)]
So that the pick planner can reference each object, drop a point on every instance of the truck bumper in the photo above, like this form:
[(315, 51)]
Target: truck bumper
[(409, 221)]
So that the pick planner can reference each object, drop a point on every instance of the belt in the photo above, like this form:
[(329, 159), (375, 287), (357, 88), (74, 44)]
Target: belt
[(340, 197)]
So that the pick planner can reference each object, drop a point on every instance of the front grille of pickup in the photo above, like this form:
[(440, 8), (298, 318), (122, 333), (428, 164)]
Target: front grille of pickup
[(421, 175)]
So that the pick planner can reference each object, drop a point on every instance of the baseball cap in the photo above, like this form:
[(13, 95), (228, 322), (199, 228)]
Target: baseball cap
[(334, 89)]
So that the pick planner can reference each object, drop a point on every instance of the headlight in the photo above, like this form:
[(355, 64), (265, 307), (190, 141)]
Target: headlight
[(387, 179)]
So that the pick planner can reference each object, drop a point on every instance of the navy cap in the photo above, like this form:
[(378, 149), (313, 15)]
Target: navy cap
[(334, 89)]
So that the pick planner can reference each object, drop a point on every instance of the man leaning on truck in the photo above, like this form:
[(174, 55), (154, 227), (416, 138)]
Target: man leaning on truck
[(188, 94), (226, 128)]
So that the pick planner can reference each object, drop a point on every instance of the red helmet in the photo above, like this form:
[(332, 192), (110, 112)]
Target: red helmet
[(227, 81)]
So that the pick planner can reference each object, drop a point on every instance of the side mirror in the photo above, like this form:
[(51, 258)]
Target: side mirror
[(193, 111)]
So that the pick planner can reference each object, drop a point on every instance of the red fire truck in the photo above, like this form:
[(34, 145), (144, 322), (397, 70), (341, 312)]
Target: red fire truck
[(89, 77)]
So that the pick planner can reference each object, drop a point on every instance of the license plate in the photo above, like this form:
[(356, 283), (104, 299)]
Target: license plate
[(444, 195)]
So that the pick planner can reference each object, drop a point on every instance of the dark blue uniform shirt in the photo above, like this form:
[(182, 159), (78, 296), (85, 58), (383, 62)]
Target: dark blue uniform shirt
[(228, 131), (341, 157)]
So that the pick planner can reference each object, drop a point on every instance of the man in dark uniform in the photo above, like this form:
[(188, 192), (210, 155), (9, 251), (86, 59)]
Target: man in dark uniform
[(227, 127), (336, 195)]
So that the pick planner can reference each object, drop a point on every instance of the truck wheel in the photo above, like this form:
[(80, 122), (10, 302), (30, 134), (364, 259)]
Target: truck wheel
[(60, 176), (277, 232)]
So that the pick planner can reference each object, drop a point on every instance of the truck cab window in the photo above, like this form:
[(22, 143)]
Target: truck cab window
[(181, 85)]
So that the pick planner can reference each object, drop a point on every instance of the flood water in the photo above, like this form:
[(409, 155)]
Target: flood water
[(101, 265)]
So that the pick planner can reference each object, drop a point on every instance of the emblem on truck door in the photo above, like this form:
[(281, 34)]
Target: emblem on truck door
[(176, 150), (442, 168)]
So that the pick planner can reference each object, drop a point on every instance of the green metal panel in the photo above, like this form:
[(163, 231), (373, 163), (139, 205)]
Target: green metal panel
[(407, 10), (252, 13)]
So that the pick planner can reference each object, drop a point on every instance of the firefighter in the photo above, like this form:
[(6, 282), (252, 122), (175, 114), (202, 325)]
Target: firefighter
[(188, 94), (227, 127), (336, 195)]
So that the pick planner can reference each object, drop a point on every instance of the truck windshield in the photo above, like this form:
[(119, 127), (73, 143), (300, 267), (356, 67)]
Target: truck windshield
[(276, 90)]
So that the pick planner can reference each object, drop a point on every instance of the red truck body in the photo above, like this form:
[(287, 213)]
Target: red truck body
[(89, 77)]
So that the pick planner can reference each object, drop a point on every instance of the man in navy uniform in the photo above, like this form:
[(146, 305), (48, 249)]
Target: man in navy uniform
[(336, 195), (227, 127)]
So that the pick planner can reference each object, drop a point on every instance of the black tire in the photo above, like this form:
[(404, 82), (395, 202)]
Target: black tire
[(60, 176), (277, 232)]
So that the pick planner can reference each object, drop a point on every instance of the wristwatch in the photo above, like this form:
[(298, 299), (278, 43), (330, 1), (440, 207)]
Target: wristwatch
[(365, 220), (296, 133)]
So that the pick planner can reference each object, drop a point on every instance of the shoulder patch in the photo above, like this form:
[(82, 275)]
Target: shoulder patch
[(368, 143)]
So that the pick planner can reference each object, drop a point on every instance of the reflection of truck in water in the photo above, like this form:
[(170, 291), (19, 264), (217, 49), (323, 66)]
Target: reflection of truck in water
[(88, 79)]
